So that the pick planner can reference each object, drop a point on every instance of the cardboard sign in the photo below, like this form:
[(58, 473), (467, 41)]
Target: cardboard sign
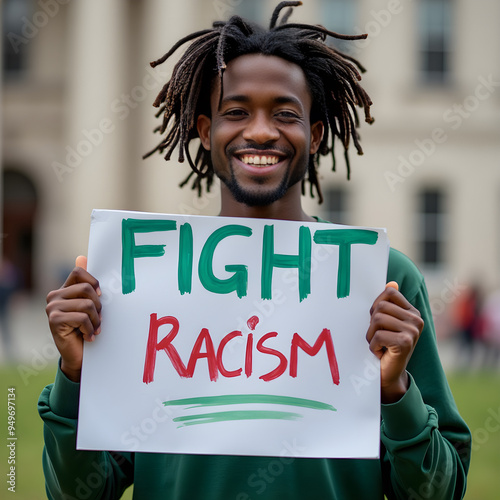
[(232, 336)]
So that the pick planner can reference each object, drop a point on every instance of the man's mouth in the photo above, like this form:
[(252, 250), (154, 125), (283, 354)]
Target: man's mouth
[(264, 160)]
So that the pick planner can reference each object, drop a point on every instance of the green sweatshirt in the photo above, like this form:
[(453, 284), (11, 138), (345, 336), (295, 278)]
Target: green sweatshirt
[(425, 446)]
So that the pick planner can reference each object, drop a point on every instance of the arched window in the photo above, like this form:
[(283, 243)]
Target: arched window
[(19, 209)]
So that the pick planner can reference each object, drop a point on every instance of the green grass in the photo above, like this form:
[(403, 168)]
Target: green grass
[(478, 399), (29, 444), (477, 396)]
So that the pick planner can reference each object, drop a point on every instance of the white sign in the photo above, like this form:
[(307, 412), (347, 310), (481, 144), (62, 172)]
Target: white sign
[(232, 336)]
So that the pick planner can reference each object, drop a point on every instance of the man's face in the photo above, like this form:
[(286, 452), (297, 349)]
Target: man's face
[(260, 137)]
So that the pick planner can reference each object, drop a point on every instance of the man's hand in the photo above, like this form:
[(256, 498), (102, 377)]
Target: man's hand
[(74, 316), (395, 327)]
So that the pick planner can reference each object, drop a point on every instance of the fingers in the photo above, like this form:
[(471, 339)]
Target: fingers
[(391, 313), (394, 343), (64, 323), (81, 314), (395, 327), (393, 295), (74, 316), (83, 291), (80, 275), (75, 307), (394, 316)]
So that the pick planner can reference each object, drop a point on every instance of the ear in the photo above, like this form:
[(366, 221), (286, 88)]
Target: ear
[(204, 124), (317, 130)]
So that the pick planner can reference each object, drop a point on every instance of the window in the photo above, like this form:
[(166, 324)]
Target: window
[(435, 40), (340, 16), (252, 10), (432, 215), (336, 205), (15, 21)]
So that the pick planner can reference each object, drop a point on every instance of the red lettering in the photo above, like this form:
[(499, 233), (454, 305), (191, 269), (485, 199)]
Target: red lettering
[(267, 350), (220, 365), (253, 322), (325, 337), (215, 360), (166, 344), (204, 336), (248, 356)]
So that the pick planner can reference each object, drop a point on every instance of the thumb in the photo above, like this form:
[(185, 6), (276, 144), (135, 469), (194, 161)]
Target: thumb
[(81, 261), (392, 284)]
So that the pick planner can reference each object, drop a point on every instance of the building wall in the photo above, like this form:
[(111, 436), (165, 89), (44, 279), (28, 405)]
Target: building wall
[(79, 120)]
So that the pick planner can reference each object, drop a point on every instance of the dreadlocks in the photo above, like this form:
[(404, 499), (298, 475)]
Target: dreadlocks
[(332, 77)]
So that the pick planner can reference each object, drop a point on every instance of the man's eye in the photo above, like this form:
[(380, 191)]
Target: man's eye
[(287, 115), (235, 112)]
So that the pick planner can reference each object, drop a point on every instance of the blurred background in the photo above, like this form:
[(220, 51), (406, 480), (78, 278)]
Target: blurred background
[(76, 114)]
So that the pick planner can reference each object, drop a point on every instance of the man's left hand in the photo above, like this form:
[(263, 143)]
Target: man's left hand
[(395, 327)]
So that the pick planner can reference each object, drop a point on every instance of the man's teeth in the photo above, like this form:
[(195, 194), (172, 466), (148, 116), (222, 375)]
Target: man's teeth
[(260, 160)]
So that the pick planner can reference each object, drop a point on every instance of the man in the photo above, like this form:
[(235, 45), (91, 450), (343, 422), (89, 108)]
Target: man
[(263, 104)]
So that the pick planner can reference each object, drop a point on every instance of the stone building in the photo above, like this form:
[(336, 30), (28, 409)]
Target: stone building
[(76, 118)]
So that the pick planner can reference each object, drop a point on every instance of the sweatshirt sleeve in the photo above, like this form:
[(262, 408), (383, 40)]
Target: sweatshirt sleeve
[(71, 473), (427, 443)]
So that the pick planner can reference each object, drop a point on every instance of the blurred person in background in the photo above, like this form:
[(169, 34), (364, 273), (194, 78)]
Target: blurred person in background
[(9, 283), (468, 325), (490, 315)]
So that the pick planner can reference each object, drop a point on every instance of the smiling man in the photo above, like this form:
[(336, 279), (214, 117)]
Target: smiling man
[(265, 104), (260, 137)]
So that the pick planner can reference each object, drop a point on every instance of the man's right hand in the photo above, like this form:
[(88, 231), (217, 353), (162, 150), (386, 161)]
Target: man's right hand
[(74, 317)]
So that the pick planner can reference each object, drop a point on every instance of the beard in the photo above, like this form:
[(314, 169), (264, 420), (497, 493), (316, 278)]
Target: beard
[(261, 195), (256, 197)]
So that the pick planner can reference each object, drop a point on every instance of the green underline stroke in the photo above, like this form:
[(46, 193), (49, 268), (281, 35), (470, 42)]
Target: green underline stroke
[(226, 416), (237, 399)]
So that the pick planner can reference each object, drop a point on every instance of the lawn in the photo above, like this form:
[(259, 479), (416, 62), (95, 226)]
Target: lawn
[(477, 396), (28, 430), (478, 399)]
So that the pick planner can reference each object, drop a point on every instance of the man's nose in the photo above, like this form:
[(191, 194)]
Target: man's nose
[(261, 129)]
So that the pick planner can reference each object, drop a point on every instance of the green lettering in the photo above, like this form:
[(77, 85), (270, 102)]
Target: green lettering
[(239, 280), (271, 260), (131, 251), (344, 238), (185, 270)]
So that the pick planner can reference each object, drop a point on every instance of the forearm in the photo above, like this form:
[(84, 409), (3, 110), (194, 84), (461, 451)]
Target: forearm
[(423, 458), (428, 443), (76, 473)]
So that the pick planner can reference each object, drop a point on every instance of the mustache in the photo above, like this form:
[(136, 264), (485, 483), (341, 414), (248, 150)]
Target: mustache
[(232, 149)]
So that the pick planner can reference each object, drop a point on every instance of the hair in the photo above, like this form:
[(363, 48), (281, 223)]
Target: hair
[(332, 77)]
